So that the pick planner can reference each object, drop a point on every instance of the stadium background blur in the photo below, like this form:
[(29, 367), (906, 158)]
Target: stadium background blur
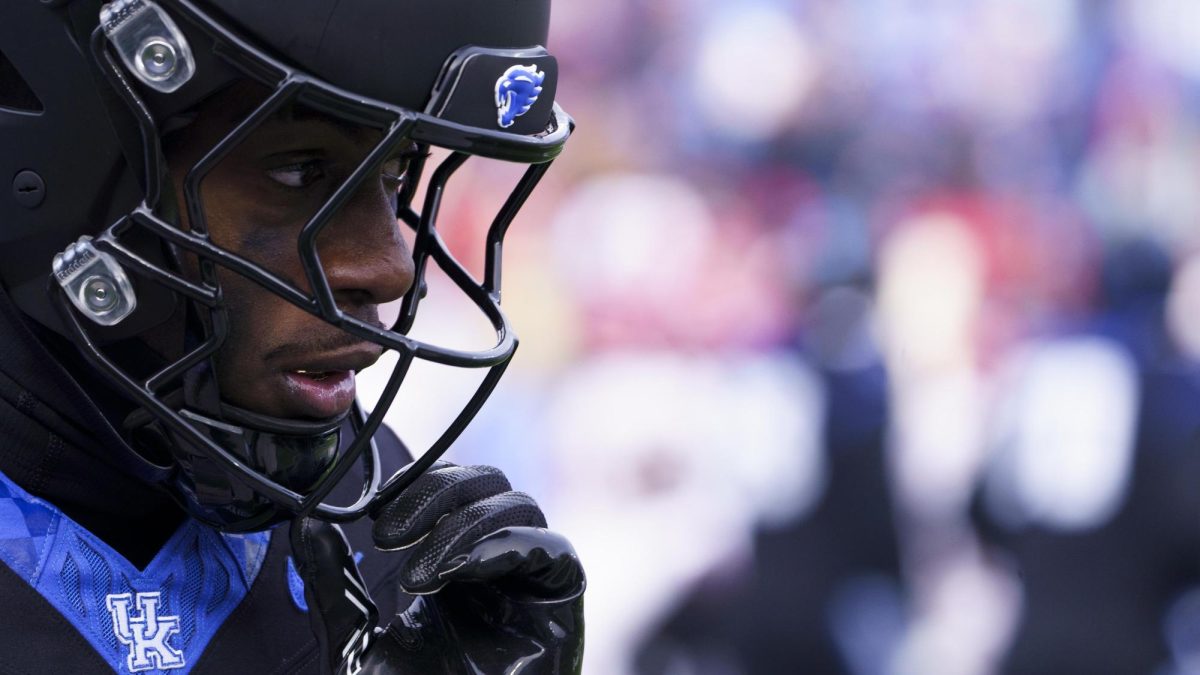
[(859, 335)]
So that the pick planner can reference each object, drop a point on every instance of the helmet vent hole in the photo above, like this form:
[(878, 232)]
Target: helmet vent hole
[(15, 92)]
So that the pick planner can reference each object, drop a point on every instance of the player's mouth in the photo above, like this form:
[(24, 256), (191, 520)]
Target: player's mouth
[(321, 394), (324, 386)]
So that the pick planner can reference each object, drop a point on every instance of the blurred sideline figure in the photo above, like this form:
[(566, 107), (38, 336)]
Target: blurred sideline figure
[(933, 267)]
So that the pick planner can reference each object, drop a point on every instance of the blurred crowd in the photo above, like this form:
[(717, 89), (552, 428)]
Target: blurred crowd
[(860, 336)]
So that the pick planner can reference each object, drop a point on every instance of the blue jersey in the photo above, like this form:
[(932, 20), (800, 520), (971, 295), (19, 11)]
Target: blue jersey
[(208, 602)]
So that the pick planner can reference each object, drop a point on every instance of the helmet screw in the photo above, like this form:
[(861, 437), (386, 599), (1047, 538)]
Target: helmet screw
[(100, 294), (29, 189), (157, 58)]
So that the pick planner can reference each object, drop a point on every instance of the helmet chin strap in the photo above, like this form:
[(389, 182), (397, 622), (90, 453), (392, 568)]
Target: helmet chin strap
[(297, 454)]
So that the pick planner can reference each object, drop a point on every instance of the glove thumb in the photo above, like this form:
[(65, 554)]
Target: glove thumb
[(340, 611)]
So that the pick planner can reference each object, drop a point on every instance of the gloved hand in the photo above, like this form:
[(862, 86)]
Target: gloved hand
[(496, 592)]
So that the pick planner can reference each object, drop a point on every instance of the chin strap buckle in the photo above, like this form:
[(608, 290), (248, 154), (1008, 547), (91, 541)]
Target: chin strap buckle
[(150, 44), (95, 283)]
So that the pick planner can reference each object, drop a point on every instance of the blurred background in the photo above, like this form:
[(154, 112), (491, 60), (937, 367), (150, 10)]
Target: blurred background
[(859, 336)]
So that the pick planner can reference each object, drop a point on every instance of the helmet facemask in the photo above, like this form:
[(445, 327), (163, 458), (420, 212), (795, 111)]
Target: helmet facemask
[(234, 467)]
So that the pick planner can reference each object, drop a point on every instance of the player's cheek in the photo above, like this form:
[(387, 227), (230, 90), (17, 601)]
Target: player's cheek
[(253, 326)]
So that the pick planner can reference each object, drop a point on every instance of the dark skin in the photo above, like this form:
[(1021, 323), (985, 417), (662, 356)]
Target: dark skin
[(256, 201)]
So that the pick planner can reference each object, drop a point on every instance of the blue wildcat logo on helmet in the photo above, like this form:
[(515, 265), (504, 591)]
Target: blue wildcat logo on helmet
[(516, 92)]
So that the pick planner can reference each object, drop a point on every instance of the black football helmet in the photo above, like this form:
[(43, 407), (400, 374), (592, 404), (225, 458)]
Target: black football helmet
[(91, 245)]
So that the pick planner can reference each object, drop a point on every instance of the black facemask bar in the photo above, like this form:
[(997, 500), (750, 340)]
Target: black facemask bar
[(398, 125)]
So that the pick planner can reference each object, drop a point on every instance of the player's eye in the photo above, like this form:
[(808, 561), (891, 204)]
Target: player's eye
[(298, 175), (394, 172)]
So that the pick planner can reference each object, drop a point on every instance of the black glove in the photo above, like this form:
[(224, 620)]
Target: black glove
[(496, 592)]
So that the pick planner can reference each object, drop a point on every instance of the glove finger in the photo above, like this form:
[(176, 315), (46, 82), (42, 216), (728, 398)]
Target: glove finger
[(341, 613), (527, 563), (405, 520), (458, 532)]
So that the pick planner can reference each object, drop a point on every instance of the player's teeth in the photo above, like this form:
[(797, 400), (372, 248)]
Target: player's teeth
[(313, 374)]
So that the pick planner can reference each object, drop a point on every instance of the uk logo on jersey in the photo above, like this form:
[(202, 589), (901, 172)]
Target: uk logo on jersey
[(516, 92), (145, 633)]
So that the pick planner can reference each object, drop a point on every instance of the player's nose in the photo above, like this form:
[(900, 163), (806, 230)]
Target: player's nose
[(367, 261)]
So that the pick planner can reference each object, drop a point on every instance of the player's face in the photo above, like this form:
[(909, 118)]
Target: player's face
[(279, 360)]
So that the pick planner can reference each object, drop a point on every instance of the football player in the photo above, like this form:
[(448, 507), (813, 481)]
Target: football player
[(205, 217)]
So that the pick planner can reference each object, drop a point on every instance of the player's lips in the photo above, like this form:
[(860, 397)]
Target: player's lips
[(322, 385)]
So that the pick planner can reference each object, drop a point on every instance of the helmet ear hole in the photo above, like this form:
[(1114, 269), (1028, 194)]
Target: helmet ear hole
[(15, 92)]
